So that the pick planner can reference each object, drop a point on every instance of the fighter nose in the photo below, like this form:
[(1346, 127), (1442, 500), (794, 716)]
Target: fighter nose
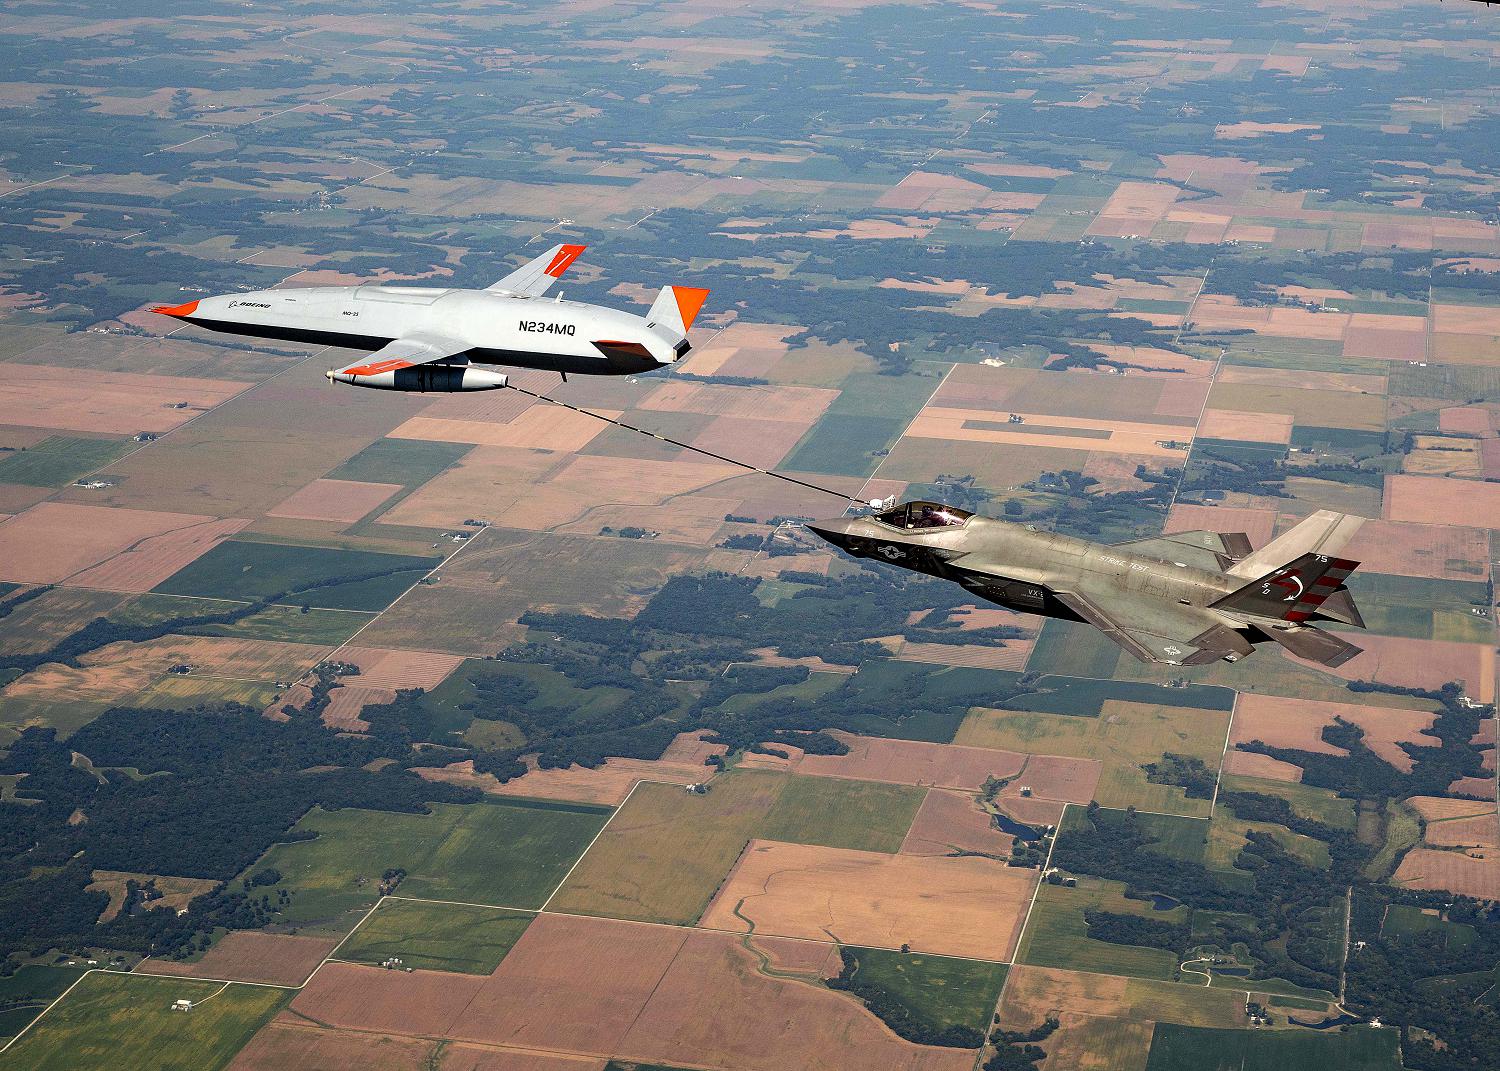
[(835, 531)]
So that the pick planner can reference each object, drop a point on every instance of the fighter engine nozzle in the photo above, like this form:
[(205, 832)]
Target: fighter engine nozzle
[(424, 378)]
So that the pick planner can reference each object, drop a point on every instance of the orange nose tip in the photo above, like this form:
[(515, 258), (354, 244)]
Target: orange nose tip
[(185, 309)]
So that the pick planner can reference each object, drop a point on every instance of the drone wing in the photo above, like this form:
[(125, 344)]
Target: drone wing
[(536, 277)]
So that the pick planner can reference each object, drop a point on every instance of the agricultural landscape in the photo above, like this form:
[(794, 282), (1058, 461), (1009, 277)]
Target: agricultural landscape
[(477, 734)]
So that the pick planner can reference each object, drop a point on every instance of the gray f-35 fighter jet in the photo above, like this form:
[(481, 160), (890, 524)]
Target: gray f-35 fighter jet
[(1184, 599)]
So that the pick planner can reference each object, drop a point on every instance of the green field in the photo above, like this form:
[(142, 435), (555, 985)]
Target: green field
[(1318, 804), (1419, 608), (866, 418), (24, 994), (437, 937), (1189, 1048), (239, 569), (1403, 920), (286, 624), (836, 813), (1226, 838), (1086, 696), (1067, 647), (939, 991), (409, 462), (509, 854), (1057, 935), (59, 460), (666, 851), (121, 1021), (1125, 737)]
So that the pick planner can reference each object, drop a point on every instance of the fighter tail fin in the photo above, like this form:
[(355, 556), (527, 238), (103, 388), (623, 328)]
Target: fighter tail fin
[(1298, 590), (1325, 533), (676, 307)]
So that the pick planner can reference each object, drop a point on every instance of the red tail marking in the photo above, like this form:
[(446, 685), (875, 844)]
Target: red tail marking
[(690, 301)]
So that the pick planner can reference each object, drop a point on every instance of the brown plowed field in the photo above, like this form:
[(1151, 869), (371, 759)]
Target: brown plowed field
[(1474, 873), (714, 1008), (978, 656), (1258, 524), (1480, 831), (1249, 764), (1435, 500), (1466, 420), (948, 822), (345, 704), (964, 906), (379, 668), (912, 762), (690, 748), (355, 997), (252, 956), (345, 501), (1440, 551), (477, 1058), (1298, 723), (54, 540), (289, 1042), (121, 403), (815, 959), (1441, 808), (1422, 663), (608, 784), (145, 564)]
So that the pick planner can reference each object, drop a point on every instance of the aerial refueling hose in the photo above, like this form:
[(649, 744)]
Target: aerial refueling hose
[(687, 446)]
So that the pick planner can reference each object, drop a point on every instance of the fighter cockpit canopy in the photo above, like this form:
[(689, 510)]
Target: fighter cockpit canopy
[(914, 515)]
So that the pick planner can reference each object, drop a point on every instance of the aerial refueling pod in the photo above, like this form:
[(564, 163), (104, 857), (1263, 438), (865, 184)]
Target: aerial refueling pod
[(432, 378)]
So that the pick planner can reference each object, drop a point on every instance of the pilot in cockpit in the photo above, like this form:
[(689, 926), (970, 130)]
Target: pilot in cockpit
[(916, 515)]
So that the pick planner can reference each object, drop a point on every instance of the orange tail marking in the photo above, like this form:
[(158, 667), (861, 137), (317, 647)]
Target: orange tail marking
[(564, 260), (690, 301)]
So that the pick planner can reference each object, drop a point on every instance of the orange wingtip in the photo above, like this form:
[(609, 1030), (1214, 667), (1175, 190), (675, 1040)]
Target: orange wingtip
[(187, 308), (391, 364), (690, 301), (564, 260)]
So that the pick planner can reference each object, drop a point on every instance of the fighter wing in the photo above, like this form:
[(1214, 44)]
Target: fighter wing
[(536, 277), (1154, 630), (1214, 551), (415, 349)]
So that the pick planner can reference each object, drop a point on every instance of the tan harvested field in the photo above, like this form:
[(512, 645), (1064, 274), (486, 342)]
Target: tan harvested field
[(1352, 382), (813, 959), (120, 403), (599, 987), (692, 749), (1434, 500), (1439, 551), (53, 541), (1032, 993), (542, 427), (1481, 831), (609, 783), (345, 501), (370, 999), (289, 1041), (1442, 809), (1055, 432), (1258, 524), (1315, 408), (1466, 319), (345, 705), (912, 762), (1249, 764), (1475, 872), (954, 906), (176, 892), (756, 442), (152, 559), (949, 822), (798, 405), (252, 956), (34, 626), (1246, 427), (1298, 723), (980, 656), (463, 1057), (379, 668), (1422, 664), (1441, 455), (1466, 420)]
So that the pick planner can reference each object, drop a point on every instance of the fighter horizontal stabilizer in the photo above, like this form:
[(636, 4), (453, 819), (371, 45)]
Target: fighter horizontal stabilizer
[(535, 278), (1214, 551), (1315, 645), (1325, 533), (1296, 591)]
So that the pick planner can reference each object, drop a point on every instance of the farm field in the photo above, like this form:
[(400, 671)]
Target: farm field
[(864, 815), (243, 570), (510, 855), (436, 937), (58, 460), (1127, 736), (940, 991), (1056, 935), (117, 1020), (24, 994), (1179, 1048)]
